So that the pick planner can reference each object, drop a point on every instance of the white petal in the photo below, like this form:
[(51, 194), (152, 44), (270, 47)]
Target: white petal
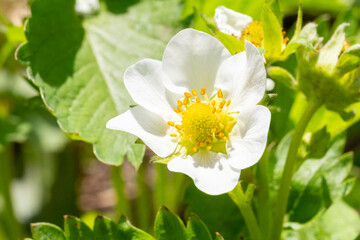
[(248, 139), (148, 126), (242, 78), (144, 82), (210, 171), (230, 22), (191, 61)]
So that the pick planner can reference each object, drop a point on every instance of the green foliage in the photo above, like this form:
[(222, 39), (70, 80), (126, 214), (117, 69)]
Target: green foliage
[(82, 83), (318, 143), (338, 222), (196, 229), (167, 226), (225, 218), (75, 229), (46, 231), (77, 64), (319, 182)]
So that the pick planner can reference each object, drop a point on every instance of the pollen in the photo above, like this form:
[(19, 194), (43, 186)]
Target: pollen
[(203, 122), (194, 92), (253, 33), (203, 91), (188, 95)]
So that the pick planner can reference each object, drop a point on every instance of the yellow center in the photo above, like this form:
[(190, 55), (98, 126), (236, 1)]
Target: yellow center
[(253, 33), (205, 124), (198, 121)]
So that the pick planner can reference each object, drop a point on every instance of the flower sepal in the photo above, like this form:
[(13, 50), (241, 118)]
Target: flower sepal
[(327, 77)]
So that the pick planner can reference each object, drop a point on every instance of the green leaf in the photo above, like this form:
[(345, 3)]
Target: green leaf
[(79, 64), (318, 143), (46, 231), (317, 183), (169, 226), (339, 222), (128, 231), (232, 44), (196, 229), (334, 123), (272, 33), (75, 229), (105, 228), (225, 218), (282, 75)]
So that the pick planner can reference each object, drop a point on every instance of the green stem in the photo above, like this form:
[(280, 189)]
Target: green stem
[(143, 208), (283, 194), (7, 217), (161, 181), (243, 202), (264, 195), (122, 202)]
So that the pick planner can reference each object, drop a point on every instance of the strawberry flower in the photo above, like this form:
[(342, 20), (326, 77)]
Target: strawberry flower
[(198, 109)]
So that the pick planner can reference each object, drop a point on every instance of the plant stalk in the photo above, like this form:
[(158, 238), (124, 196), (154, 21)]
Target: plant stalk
[(244, 204), (283, 194)]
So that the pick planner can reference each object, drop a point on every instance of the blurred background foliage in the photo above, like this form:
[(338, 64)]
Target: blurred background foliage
[(45, 175)]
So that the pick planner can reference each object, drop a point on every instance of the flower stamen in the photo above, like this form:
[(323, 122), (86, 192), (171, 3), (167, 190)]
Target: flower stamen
[(204, 124)]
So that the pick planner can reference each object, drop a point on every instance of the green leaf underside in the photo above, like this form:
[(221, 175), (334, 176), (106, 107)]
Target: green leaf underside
[(79, 65)]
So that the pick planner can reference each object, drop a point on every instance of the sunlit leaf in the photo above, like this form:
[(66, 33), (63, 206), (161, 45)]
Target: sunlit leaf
[(272, 33), (78, 65)]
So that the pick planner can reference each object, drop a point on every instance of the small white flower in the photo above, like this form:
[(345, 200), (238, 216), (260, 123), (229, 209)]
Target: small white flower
[(244, 28), (198, 106), (230, 22)]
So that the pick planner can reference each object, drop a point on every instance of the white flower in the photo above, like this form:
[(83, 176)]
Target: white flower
[(230, 22), (198, 106), (243, 27)]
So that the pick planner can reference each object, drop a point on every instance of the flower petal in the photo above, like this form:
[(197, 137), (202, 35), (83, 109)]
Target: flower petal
[(144, 81), (242, 78), (191, 61), (230, 22), (249, 136), (210, 171), (148, 126)]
